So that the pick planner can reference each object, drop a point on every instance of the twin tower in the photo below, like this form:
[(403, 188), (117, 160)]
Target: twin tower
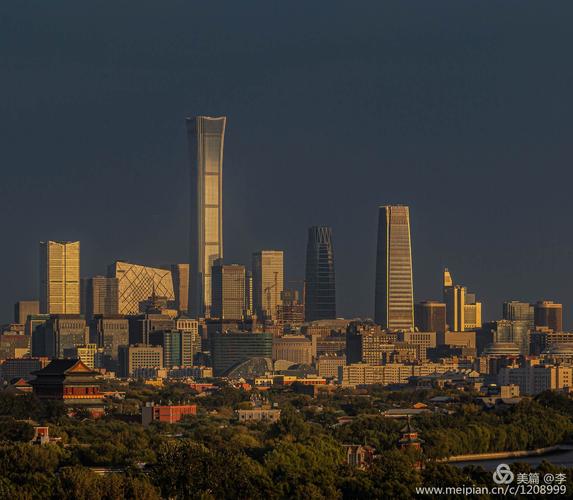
[(206, 137)]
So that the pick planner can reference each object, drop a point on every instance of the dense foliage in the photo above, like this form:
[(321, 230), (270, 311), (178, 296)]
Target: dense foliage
[(301, 456)]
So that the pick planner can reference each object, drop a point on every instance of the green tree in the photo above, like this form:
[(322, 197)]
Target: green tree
[(185, 469), (14, 430), (299, 468), (391, 475), (291, 425), (78, 483)]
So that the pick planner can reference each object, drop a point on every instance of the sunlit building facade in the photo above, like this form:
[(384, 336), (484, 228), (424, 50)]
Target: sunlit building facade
[(99, 295), (268, 282), (60, 277), (455, 300), (515, 332), (515, 310), (136, 284), (463, 311), (25, 308), (206, 139), (430, 316), (180, 274), (228, 291), (394, 295), (548, 314)]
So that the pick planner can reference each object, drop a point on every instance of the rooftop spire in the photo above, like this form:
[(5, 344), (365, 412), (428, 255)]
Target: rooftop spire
[(447, 278)]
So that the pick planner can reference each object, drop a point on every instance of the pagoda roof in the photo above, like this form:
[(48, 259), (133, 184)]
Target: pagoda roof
[(19, 382), (65, 367)]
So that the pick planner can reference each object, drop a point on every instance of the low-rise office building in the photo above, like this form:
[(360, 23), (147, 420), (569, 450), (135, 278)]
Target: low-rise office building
[(295, 348), (395, 373), (169, 414), (134, 357), (534, 378)]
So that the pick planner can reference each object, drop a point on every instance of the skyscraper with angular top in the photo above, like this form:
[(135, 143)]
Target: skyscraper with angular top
[(463, 311), (320, 288), (206, 137), (394, 294)]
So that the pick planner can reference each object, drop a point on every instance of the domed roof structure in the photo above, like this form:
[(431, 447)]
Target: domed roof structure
[(253, 367), (501, 349)]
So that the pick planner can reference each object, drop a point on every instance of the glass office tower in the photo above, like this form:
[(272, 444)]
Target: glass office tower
[(394, 294), (206, 137), (320, 291), (60, 277)]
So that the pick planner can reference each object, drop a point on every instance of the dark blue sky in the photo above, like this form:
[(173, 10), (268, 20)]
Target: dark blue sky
[(462, 110)]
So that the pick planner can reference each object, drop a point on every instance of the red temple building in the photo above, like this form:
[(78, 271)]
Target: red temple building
[(410, 439), (70, 381)]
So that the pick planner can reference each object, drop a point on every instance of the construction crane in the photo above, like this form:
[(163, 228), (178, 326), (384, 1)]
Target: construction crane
[(268, 291)]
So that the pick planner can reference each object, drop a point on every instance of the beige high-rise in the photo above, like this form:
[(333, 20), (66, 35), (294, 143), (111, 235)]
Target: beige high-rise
[(394, 294), (455, 300), (463, 312), (206, 136), (60, 277), (180, 274), (228, 291), (268, 282)]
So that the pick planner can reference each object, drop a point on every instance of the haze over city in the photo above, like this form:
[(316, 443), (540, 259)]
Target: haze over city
[(273, 250), (455, 110)]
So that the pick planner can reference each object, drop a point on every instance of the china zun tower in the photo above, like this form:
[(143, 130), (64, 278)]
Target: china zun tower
[(206, 137)]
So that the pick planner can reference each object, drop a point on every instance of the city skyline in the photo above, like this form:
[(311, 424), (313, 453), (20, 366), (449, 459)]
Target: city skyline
[(286, 249), (448, 124), (447, 282)]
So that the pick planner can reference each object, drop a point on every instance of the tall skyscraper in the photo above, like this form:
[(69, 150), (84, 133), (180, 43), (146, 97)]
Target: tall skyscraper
[(394, 295), (109, 332), (58, 333), (206, 138), (291, 311), (455, 300), (228, 291), (320, 292), (430, 316), (25, 308), (249, 293), (60, 277), (518, 311), (99, 295), (268, 282), (515, 332), (549, 314), (180, 273), (136, 284), (177, 346), (472, 313), (463, 311)]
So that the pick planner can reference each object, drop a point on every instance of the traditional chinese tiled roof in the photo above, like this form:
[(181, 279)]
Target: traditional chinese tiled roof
[(64, 366)]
